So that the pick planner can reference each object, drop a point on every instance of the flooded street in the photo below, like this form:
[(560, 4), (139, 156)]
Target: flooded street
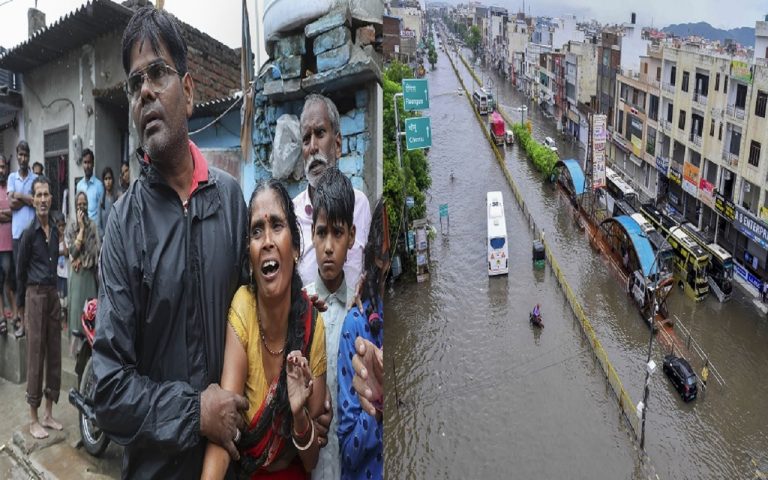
[(474, 391)]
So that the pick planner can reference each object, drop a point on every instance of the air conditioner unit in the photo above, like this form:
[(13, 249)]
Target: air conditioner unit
[(726, 174), (747, 187)]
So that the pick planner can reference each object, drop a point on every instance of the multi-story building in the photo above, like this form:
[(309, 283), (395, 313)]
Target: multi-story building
[(517, 39), (691, 129), (412, 16), (620, 47), (580, 87), (635, 136), (497, 38), (531, 79), (552, 85)]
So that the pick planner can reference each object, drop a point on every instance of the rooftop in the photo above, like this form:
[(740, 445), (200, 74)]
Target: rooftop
[(73, 30)]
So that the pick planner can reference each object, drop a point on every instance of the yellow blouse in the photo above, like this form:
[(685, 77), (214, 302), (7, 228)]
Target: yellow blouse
[(244, 321)]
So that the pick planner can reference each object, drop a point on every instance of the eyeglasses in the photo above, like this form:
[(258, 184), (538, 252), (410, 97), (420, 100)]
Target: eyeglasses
[(157, 74)]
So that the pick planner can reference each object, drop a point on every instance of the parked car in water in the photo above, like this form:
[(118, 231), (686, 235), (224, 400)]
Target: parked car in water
[(682, 376), (549, 142)]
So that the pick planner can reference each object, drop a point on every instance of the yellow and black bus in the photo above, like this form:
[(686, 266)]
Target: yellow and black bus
[(691, 261), (720, 270)]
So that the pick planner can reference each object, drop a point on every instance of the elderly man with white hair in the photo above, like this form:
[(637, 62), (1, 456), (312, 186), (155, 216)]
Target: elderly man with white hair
[(321, 148)]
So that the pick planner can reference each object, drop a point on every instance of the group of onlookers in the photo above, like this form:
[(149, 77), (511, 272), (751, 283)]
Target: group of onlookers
[(228, 337), (41, 254)]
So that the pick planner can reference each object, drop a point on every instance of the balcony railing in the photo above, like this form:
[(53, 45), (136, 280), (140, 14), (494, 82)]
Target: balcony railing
[(699, 98), (735, 112), (731, 158), (668, 88), (696, 140), (665, 125)]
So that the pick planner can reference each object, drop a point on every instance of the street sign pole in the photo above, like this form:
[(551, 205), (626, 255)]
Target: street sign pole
[(415, 96), (398, 133)]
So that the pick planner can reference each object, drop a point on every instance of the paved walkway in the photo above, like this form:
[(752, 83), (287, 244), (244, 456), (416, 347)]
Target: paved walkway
[(752, 292), (58, 456)]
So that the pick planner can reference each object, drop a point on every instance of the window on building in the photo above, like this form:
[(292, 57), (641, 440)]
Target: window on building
[(686, 76), (620, 126), (762, 98), (725, 85), (645, 68), (681, 120), (653, 108), (735, 146), (741, 96), (673, 76), (670, 112), (712, 128), (717, 82), (720, 132), (754, 153), (650, 145), (658, 74)]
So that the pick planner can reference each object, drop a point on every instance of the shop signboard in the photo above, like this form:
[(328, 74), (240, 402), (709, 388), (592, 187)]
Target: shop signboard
[(675, 175), (707, 193), (690, 178), (662, 164), (725, 207), (752, 227), (599, 139), (747, 275)]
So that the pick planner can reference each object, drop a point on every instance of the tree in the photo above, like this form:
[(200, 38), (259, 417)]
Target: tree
[(432, 56), (473, 42), (414, 178)]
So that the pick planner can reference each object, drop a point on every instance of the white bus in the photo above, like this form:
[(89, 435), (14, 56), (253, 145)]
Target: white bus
[(619, 188), (481, 101), (498, 251)]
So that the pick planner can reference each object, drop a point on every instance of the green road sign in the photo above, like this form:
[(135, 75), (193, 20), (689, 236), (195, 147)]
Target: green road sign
[(417, 133), (415, 94)]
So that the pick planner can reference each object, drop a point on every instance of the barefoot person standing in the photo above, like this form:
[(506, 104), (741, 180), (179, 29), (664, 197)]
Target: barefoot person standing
[(38, 297)]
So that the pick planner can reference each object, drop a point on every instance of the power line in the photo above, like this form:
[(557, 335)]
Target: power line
[(6, 2)]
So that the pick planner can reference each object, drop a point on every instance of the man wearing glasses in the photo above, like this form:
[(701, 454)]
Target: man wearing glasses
[(171, 262)]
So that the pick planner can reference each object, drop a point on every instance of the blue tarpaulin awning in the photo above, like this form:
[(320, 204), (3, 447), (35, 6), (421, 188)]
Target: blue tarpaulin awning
[(577, 174), (640, 242)]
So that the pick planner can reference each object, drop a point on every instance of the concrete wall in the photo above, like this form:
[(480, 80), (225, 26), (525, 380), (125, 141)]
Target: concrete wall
[(565, 30), (74, 76), (8, 139), (361, 145), (632, 47), (411, 19)]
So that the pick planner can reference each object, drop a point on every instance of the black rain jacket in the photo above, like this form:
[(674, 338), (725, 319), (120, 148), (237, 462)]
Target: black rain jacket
[(167, 278)]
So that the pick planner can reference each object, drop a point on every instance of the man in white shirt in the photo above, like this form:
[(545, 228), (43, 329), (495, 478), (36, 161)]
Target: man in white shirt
[(321, 148)]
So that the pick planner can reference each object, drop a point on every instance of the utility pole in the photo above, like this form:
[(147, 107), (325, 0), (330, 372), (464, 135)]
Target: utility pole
[(650, 366)]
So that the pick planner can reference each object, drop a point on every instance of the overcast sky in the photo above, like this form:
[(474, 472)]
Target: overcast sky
[(218, 18), (719, 13)]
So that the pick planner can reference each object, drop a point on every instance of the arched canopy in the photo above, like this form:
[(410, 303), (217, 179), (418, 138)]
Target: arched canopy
[(640, 243), (576, 173)]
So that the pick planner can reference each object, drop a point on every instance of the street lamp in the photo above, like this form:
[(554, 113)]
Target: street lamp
[(650, 365)]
